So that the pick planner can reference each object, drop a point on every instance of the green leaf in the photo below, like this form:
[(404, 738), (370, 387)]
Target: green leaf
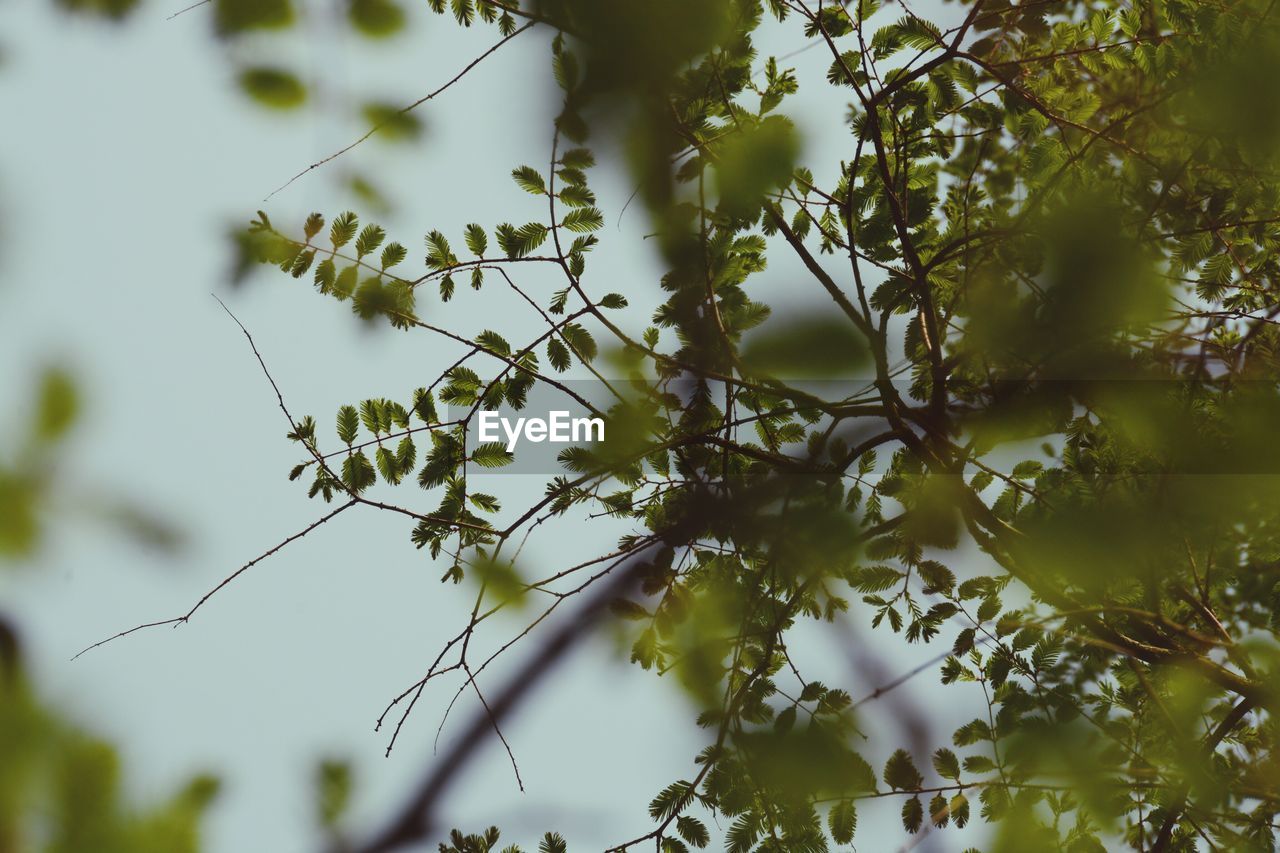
[(529, 180), (333, 791), (552, 842), (558, 301), (440, 255), (302, 263), (312, 227), (613, 300), (343, 230), (572, 177), (424, 406), (114, 10), (839, 72), (392, 300), (393, 254), (345, 285), (273, 87), (577, 196), (388, 466), (376, 18), (369, 240), (988, 608), (580, 340), (875, 578), (843, 821), (371, 416), (57, 405), (900, 772), (785, 720), (670, 800), (627, 609), (1027, 470), (833, 21), (946, 763), (357, 472), (558, 355), (487, 503), (971, 732), (233, 17), (753, 162), (406, 455), (937, 577), (519, 242), (492, 455), (959, 810), (979, 764), (577, 158), (493, 341), (476, 240), (813, 346), (583, 220), (938, 811), (912, 815), (742, 835), (348, 424), (501, 580), (392, 121), (565, 67)]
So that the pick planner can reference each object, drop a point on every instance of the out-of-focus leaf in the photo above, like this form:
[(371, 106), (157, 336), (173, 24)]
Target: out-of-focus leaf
[(333, 791), (273, 87), (57, 405), (806, 347), (754, 162), (392, 122), (376, 18), (115, 10), (501, 580), (232, 17), (19, 525)]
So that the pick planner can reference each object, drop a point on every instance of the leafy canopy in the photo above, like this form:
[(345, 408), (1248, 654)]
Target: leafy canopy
[(1051, 223)]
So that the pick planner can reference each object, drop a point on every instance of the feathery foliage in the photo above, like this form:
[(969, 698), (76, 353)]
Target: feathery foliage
[(1044, 443)]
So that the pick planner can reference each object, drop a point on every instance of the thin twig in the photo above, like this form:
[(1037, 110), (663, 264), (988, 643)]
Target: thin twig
[(188, 9), (471, 679), (402, 111), (182, 620)]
